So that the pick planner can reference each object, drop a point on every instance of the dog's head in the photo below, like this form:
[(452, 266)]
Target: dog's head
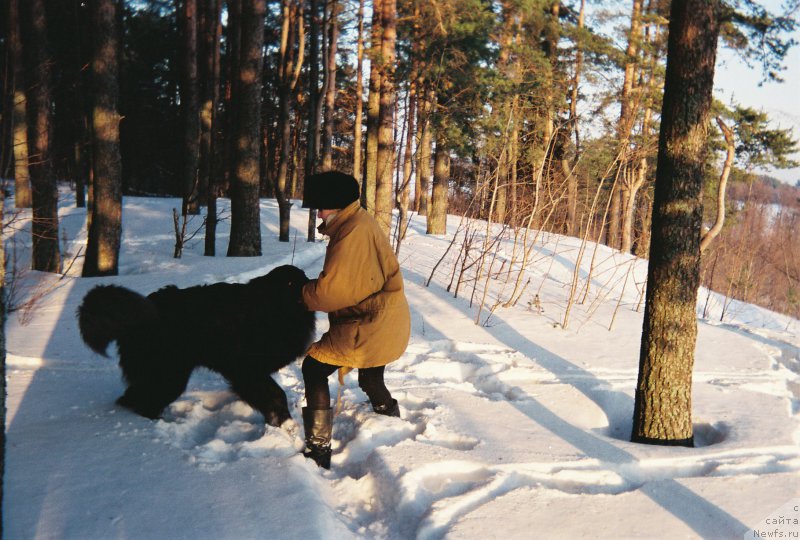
[(285, 282)]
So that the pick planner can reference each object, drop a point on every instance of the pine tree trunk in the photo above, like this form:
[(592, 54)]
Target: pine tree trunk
[(506, 110), (312, 150), (408, 163), (551, 36), (232, 57), (76, 97), (286, 87), (573, 228), (373, 111), (190, 107), (245, 239), (330, 87), (22, 180), (384, 192), (634, 182), (212, 30), (437, 213), (730, 155), (662, 413), (105, 231), (426, 103), (46, 255), (357, 124), (619, 204), (513, 150)]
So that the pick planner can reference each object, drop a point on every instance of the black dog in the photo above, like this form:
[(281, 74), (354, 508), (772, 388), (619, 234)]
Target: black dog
[(243, 331)]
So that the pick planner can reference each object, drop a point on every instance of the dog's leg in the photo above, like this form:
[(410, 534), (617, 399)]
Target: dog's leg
[(149, 396), (263, 394), (138, 399)]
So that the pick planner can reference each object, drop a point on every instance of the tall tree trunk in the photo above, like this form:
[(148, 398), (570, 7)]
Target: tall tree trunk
[(233, 47), (7, 105), (384, 192), (404, 196), (505, 111), (22, 180), (627, 116), (635, 176), (501, 180), (552, 32), (730, 154), (373, 110), (79, 96), (212, 30), (663, 406), (288, 75), (312, 149), (635, 163), (359, 115), (437, 213), (190, 107), (46, 255), (330, 86), (513, 151), (572, 179), (105, 231), (245, 239), (426, 103), (284, 121)]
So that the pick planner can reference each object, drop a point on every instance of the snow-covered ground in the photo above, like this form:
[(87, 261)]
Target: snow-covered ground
[(515, 427)]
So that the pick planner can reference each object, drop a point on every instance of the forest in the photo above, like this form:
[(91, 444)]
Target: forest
[(594, 120), (535, 114)]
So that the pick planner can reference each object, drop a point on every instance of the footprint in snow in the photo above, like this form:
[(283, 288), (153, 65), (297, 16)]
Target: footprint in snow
[(215, 428)]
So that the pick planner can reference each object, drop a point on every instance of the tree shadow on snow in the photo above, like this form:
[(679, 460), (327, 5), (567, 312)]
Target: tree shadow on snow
[(697, 512)]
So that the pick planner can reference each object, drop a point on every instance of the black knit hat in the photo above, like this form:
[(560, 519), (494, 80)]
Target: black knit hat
[(330, 190)]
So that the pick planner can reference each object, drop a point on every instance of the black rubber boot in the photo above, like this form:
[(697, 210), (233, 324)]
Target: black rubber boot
[(318, 425), (390, 409)]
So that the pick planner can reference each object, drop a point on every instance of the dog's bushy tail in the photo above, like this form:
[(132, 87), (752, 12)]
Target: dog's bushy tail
[(111, 313)]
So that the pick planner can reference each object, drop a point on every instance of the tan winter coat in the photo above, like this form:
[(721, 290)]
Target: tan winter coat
[(361, 289)]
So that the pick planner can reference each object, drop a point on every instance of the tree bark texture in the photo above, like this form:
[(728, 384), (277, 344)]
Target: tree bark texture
[(357, 124), (625, 126), (730, 155), (330, 86), (233, 46), (384, 188), (408, 165), (291, 18), (245, 239), (373, 110), (573, 228), (22, 180), (210, 68), (46, 255), (313, 105), (437, 212), (105, 230), (663, 406), (426, 102), (190, 108)]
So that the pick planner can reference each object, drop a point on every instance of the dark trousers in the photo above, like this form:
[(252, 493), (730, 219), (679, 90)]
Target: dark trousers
[(315, 377)]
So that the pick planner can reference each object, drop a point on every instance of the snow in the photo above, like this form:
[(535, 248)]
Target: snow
[(515, 427)]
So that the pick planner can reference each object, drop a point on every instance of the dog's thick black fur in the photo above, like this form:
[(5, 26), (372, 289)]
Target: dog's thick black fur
[(243, 331)]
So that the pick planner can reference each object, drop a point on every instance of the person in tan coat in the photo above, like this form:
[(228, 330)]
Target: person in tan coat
[(361, 289)]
